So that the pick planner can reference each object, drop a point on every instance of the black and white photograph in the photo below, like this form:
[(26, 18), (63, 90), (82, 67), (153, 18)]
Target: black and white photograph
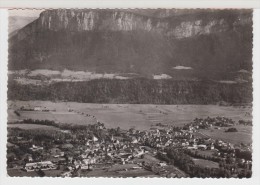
[(163, 93)]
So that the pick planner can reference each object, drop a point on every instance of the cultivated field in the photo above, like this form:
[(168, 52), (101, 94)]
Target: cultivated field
[(32, 126), (205, 163), (124, 115), (243, 135), (21, 173)]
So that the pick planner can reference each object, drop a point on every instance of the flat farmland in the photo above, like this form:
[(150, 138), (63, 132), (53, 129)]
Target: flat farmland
[(32, 126), (139, 116), (22, 173), (205, 163), (129, 173), (243, 134), (61, 115)]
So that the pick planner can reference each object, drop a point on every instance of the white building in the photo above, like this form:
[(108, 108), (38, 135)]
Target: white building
[(44, 165)]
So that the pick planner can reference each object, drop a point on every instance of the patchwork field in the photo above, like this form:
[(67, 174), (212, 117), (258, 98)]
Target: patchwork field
[(124, 115), (32, 126), (129, 173), (22, 173), (243, 135), (206, 163)]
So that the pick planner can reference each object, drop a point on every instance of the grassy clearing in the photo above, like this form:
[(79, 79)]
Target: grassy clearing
[(21, 173), (122, 167), (32, 126), (128, 115), (58, 117), (205, 152), (244, 134), (205, 163), (135, 173)]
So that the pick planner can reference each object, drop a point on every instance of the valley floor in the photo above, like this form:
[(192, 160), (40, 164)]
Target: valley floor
[(128, 140), (125, 116)]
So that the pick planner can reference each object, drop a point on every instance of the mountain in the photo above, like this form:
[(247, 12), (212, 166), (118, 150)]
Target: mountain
[(18, 22), (206, 43)]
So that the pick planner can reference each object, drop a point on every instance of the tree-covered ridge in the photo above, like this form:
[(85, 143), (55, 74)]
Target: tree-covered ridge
[(135, 91)]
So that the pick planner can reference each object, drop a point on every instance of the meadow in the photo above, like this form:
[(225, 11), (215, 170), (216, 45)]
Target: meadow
[(140, 116), (205, 163), (32, 126), (243, 135)]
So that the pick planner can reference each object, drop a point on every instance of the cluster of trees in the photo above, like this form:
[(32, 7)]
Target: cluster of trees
[(243, 122), (35, 136), (239, 153), (181, 159), (231, 130), (80, 132), (200, 156), (114, 131), (65, 126), (138, 90), (243, 154), (185, 163), (164, 157)]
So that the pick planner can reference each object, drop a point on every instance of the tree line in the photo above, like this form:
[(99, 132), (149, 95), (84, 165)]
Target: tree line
[(135, 91), (179, 158)]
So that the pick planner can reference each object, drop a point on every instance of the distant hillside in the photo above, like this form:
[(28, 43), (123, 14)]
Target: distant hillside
[(211, 43), (18, 22)]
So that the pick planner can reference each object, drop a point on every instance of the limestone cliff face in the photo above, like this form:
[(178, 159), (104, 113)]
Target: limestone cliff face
[(136, 41), (167, 22)]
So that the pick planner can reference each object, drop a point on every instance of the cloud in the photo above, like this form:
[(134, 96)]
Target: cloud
[(182, 67), (161, 76), (243, 71)]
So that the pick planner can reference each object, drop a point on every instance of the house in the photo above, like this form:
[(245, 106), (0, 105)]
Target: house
[(66, 174), (44, 165), (65, 131), (37, 108), (210, 146), (59, 160), (162, 164), (138, 153), (89, 161), (241, 161), (77, 163), (195, 147), (30, 159), (94, 139), (185, 144), (85, 167), (36, 148), (134, 140)]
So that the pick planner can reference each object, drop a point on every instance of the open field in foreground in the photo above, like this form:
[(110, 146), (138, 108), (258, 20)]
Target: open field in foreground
[(124, 115), (22, 173), (32, 126), (205, 163), (244, 134)]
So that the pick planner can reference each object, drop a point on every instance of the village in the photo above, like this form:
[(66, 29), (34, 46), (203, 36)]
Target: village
[(93, 149)]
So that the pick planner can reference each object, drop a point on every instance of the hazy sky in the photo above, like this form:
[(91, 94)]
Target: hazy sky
[(26, 12)]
